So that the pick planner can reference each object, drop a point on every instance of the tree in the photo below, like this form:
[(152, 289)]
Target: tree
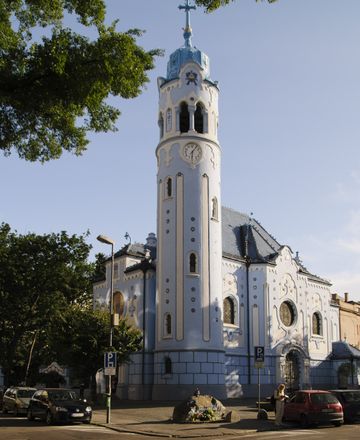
[(53, 90), (211, 5), (46, 308), (80, 337), (40, 275)]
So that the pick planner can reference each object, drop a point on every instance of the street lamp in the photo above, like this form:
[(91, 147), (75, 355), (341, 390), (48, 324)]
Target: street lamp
[(108, 240)]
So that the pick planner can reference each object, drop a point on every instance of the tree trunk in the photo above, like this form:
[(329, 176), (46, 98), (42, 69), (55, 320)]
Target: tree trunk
[(30, 357)]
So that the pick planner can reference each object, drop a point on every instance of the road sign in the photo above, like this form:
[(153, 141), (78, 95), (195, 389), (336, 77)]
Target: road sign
[(259, 365), (259, 357), (110, 371), (110, 360)]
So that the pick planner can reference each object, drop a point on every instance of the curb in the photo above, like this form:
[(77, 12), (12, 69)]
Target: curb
[(168, 435)]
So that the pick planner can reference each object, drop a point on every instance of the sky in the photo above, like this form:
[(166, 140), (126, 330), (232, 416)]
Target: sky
[(289, 79)]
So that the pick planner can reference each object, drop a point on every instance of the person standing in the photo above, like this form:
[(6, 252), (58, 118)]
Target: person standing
[(280, 397)]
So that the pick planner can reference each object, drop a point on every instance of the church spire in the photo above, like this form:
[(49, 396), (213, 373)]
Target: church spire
[(187, 30)]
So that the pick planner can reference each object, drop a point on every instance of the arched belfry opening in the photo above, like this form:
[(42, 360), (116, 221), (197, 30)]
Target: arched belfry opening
[(184, 118), (199, 118)]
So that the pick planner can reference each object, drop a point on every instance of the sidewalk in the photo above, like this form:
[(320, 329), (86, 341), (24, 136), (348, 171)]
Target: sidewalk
[(154, 419)]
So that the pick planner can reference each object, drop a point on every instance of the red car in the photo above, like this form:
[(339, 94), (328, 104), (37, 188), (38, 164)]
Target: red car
[(310, 407)]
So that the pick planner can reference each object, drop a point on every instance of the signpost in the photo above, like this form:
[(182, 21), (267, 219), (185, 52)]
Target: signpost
[(110, 361), (259, 357)]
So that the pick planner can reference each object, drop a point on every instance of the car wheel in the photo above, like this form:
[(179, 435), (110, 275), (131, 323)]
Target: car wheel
[(49, 418), (337, 423), (29, 415), (304, 422), (86, 422)]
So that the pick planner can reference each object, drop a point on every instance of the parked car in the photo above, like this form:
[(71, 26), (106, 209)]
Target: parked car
[(16, 400), (58, 405), (2, 391), (314, 407), (350, 401)]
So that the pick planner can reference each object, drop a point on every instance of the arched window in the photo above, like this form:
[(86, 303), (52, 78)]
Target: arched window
[(316, 324), (161, 125), (169, 187), (168, 119), (119, 303), (229, 311), (167, 325), (199, 118), (168, 365), (215, 209), (192, 263), (184, 118)]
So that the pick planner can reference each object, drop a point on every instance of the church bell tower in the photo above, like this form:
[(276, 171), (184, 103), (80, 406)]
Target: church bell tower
[(189, 350)]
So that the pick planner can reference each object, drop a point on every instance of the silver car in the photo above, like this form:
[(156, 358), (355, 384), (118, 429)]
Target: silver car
[(16, 400)]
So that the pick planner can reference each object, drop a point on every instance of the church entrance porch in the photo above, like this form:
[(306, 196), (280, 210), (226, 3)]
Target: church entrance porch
[(293, 367), (292, 371)]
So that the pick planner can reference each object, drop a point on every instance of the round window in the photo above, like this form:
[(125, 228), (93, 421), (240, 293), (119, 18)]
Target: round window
[(287, 313)]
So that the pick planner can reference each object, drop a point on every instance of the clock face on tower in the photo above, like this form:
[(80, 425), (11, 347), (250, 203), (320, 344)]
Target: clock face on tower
[(192, 153)]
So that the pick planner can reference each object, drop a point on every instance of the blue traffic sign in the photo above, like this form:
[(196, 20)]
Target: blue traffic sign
[(110, 359)]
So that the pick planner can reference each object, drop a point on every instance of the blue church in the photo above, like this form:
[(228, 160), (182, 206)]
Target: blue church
[(212, 285)]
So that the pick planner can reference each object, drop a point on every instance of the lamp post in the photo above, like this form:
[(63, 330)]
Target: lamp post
[(108, 240)]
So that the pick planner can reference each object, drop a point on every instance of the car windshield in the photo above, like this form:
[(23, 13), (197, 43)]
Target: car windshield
[(25, 393), (351, 397), (62, 395), (323, 398)]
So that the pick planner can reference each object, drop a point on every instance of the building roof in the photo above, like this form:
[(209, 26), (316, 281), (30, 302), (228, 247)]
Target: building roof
[(245, 239), (131, 249), (343, 350)]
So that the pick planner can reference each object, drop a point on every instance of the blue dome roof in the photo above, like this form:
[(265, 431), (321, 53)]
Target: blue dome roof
[(185, 55)]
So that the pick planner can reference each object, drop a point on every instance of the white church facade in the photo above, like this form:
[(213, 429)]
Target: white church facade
[(212, 284)]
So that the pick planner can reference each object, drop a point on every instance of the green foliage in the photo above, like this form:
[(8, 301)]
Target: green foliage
[(80, 337), (211, 5), (40, 276), (46, 308), (99, 273), (53, 90)]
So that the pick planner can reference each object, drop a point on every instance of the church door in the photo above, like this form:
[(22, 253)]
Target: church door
[(344, 373), (292, 371)]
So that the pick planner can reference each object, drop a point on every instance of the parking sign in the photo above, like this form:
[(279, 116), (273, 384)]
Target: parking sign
[(259, 356), (110, 361)]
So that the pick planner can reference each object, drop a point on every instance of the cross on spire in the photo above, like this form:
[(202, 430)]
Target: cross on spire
[(187, 31)]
